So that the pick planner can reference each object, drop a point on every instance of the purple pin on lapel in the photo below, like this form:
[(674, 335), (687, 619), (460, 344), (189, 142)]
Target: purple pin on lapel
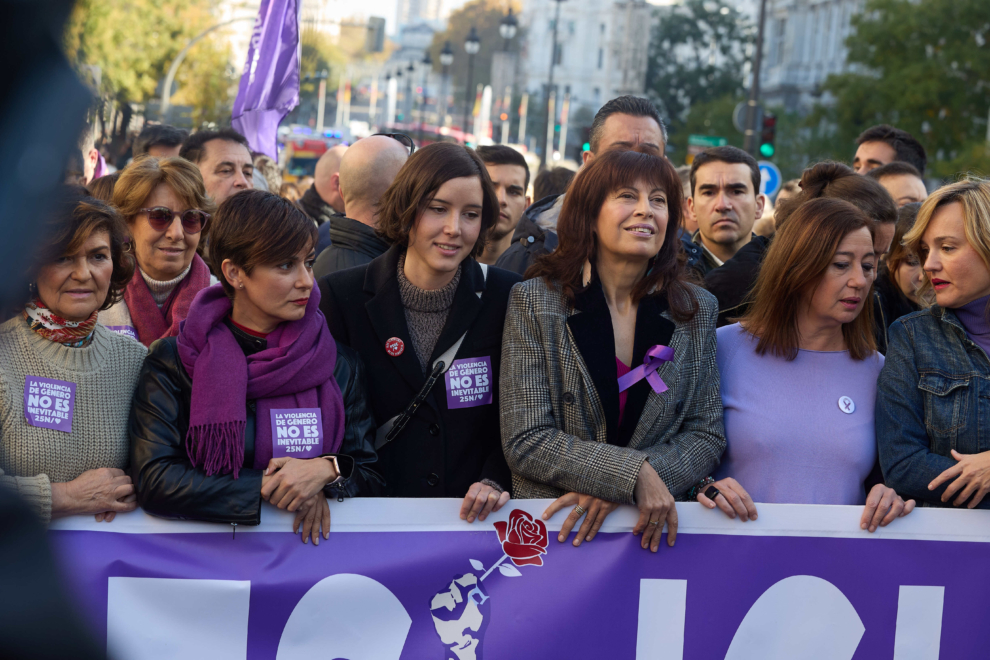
[(652, 361)]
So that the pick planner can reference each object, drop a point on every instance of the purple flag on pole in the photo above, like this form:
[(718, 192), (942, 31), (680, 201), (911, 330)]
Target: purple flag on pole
[(269, 87)]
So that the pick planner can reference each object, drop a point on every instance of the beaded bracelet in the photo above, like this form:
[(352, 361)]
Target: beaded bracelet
[(489, 482), (698, 487)]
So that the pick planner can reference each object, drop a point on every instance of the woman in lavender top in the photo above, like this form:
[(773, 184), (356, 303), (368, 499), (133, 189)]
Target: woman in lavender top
[(799, 375), (933, 396)]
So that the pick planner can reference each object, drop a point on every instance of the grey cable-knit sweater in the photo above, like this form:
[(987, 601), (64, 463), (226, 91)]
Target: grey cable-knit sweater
[(105, 373), (426, 312)]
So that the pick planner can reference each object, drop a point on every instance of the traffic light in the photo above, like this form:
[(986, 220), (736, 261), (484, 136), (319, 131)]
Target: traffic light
[(769, 134), (374, 40)]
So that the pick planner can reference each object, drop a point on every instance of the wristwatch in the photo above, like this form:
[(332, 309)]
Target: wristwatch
[(336, 467)]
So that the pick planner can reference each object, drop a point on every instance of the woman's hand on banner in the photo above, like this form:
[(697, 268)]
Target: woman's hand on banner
[(971, 479), (883, 506), (94, 492), (313, 515), (593, 509), (482, 499), (656, 507), (732, 499), (288, 482)]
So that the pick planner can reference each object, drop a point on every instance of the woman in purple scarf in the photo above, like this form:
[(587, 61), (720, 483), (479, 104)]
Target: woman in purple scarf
[(254, 399)]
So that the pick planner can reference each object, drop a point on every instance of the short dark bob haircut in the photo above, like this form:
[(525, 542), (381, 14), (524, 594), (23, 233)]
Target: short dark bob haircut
[(76, 217), (579, 217), (420, 179), (257, 228), (798, 258)]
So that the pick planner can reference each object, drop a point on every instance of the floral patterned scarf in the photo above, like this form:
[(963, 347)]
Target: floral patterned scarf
[(54, 328)]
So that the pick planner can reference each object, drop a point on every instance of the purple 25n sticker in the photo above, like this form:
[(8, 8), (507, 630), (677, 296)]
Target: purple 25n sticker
[(469, 382), (297, 432), (48, 403)]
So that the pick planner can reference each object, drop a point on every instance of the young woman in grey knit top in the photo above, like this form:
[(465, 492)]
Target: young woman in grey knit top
[(66, 381), (427, 320)]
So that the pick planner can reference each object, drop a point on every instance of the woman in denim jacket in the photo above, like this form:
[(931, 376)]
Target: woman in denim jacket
[(933, 395)]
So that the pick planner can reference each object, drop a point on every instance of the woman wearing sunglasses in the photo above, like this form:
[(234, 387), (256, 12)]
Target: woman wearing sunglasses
[(167, 212), (253, 400)]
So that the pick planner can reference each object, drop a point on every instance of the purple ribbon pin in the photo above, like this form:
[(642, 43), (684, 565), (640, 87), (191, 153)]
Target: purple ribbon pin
[(652, 361)]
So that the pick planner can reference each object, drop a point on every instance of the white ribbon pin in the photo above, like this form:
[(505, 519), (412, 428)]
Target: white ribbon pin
[(847, 405)]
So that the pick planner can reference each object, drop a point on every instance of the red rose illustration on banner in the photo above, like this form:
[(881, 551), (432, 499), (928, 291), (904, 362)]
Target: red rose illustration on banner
[(461, 611), (523, 538)]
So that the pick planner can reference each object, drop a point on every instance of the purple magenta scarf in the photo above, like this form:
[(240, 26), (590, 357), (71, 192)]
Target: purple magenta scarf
[(153, 322), (295, 371)]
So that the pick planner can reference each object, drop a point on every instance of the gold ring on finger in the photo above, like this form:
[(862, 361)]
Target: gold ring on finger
[(654, 522), (579, 510)]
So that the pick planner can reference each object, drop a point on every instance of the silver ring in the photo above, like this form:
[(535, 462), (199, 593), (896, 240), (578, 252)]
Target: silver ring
[(654, 522), (580, 510)]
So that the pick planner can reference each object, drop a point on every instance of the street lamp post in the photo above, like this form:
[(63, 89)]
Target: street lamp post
[(507, 28), (446, 59), (471, 46), (750, 143), (553, 60), (410, 70), (427, 66)]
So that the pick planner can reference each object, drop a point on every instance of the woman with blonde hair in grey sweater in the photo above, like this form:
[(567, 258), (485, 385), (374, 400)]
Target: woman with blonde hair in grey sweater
[(65, 381)]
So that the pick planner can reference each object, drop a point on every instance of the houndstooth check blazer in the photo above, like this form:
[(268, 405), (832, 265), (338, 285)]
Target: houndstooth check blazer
[(552, 420)]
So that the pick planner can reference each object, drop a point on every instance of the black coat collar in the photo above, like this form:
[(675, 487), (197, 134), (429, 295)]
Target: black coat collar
[(592, 331), (389, 320)]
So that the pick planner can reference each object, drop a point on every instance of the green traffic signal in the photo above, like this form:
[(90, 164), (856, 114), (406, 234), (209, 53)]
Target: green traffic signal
[(767, 150), (586, 146)]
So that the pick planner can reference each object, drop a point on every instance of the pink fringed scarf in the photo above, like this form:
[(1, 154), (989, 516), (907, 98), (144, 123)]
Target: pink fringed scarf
[(295, 371), (153, 323)]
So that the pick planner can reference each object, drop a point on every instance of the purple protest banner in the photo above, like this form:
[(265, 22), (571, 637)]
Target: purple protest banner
[(269, 87), (405, 579), (49, 403)]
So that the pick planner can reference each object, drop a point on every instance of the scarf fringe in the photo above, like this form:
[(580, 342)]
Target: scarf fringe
[(217, 448)]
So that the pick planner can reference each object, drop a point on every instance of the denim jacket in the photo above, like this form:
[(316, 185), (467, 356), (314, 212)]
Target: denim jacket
[(933, 395)]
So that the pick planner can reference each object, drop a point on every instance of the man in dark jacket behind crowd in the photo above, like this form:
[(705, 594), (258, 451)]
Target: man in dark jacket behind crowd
[(323, 199), (366, 171), (726, 201), (624, 123), (515, 241)]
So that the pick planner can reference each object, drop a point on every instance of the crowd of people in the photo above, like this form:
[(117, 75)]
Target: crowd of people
[(197, 338)]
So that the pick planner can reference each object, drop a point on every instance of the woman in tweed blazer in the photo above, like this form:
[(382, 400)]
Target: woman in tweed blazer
[(595, 307)]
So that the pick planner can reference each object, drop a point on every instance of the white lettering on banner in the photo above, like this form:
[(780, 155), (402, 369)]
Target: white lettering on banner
[(166, 618), (799, 618), (660, 632), (372, 626), (919, 623)]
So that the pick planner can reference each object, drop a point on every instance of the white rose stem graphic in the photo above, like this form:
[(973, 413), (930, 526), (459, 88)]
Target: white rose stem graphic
[(509, 571)]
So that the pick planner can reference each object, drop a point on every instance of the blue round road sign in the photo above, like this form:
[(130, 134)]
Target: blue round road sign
[(770, 178)]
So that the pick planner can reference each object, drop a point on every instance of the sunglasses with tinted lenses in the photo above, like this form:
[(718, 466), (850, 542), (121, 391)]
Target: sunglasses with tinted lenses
[(193, 220), (406, 141)]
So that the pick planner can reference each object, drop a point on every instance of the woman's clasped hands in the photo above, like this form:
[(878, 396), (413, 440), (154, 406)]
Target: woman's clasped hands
[(103, 492), (296, 485), (653, 499)]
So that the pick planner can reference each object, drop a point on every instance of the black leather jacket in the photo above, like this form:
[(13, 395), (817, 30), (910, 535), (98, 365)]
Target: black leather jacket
[(169, 486)]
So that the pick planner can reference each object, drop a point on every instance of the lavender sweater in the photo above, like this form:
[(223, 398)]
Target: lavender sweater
[(788, 439)]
